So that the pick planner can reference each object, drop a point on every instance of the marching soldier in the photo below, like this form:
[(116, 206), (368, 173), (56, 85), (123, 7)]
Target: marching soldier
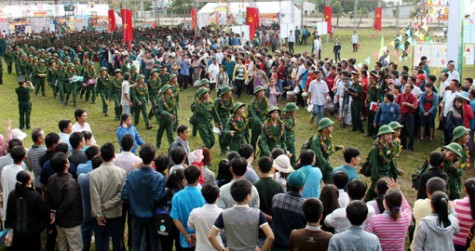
[(238, 127), (115, 89), (51, 77), (90, 80), (273, 132), (356, 92), (258, 113), (102, 85), (202, 110), (289, 120), (70, 86), (167, 115), (39, 73), (461, 137), (140, 99), (224, 106), (62, 81), (374, 96), (154, 88)]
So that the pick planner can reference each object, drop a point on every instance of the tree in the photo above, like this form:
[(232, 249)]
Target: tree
[(361, 12), (337, 10)]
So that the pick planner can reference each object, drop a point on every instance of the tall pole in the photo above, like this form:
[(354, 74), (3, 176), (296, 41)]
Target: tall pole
[(397, 16), (355, 14)]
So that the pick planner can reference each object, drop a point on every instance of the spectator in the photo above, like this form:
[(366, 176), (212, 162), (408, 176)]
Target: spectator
[(65, 211), (224, 173), (317, 96), (207, 174), (26, 214), (105, 185), (340, 180), (202, 219), (81, 123), (183, 202), (267, 187), (313, 175), (283, 168), (455, 117), (178, 156), (126, 127), (355, 238), (378, 202), (446, 105), (36, 151), (247, 151), (428, 103), (311, 238), (440, 224), (77, 155), (65, 130), (436, 162), (87, 140), (142, 191), (352, 160), (9, 174), (125, 98), (465, 210), (182, 141), (126, 159), (91, 152), (239, 217), (329, 199), (51, 141), (408, 105), (387, 112)]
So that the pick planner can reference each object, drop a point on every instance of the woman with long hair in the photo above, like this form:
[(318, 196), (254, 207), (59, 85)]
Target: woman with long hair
[(224, 173), (126, 127), (329, 199), (26, 215), (436, 230), (380, 190), (465, 209)]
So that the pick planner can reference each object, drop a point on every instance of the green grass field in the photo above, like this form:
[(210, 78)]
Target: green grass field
[(47, 112)]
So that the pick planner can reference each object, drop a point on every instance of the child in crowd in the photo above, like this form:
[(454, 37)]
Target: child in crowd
[(340, 179)]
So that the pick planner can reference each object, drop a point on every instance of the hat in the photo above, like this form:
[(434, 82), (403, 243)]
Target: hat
[(258, 89), (296, 180), (103, 69), (237, 106), (272, 109), (202, 91), (165, 88), (355, 72), (459, 132), (133, 67), (421, 77), (140, 77), (282, 164), (172, 76), (324, 123), (225, 89), (42, 61), (154, 70), (385, 129), (76, 60), (60, 63), (290, 107), (395, 125), (91, 63), (18, 134), (374, 74), (117, 71), (204, 81), (197, 155), (455, 148), (463, 95)]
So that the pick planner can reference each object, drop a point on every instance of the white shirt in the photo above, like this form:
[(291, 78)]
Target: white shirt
[(448, 100), (176, 167), (78, 128), (213, 70), (317, 91), (416, 91), (442, 88), (453, 75), (202, 220), (219, 57), (64, 138), (125, 89), (340, 222), (8, 183), (127, 161), (291, 38), (354, 38), (316, 44), (343, 198)]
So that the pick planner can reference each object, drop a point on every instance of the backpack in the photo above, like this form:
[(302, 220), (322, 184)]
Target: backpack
[(163, 221), (417, 176), (307, 144), (366, 167)]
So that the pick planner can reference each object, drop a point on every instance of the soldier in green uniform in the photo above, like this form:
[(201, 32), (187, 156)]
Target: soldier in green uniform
[(1, 70), (322, 145), (238, 127), (201, 83), (380, 158), (133, 75), (167, 115), (164, 76), (62, 80), (272, 132), (9, 58), (32, 63), (154, 84), (258, 114), (125, 68), (356, 92), (16, 60), (374, 95), (452, 156), (140, 99), (202, 110), (173, 82), (102, 85), (23, 66), (70, 86), (90, 80), (24, 104), (115, 90), (223, 106), (396, 148), (289, 120), (40, 72), (51, 77), (461, 137)]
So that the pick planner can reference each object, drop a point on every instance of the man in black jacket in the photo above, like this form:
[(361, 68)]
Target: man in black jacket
[(436, 160)]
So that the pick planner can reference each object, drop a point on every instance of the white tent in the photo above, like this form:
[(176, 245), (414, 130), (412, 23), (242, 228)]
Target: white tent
[(279, 11)]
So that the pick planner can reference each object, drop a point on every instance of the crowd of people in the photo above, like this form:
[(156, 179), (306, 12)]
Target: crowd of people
[(82, 191)]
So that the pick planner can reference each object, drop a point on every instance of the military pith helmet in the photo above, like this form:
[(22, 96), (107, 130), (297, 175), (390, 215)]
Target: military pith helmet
[(140, 77), (290, 107), (324, 123), (237, 106), (455, 148), (165, 88), (385, 129), (103, 69), (258, 89), (395, 125), (117, 71), (272, 109), (459, 132), (225, 89), (202, 91)]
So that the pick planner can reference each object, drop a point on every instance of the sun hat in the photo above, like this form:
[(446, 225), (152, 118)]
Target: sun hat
[(282, 164)]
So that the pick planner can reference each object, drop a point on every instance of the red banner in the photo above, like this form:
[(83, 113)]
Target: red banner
[(378, 16), (327, 11), (112, 25), (252, 19), (193, 18), (127, 35)]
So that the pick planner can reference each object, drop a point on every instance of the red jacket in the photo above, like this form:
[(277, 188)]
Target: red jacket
[(467, 115)]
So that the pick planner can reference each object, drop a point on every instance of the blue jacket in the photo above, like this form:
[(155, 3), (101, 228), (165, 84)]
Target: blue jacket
[(121, 131), (143, 190), (386, 114), (435, 103), (313, 176)]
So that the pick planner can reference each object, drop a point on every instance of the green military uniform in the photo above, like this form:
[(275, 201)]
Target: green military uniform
[(258, 114), (379, 161), (454, 171), (133, 75), (164, 78), (167, 115), (357, 107), (1, 70), (24, 105), (90, 88), (175, 88), (76, 86), (272, 133), (374, 95), (70, 87), (240, 127), (395, 150), (202, 83), (125, 68), (9, 58), (30, 67), (460, 135), (154, 84), (23, 66), (289, 121), (16, 60), (40, 72), (224, 108), (62, 81), (201, 118), (51, 78), (102, 85), (140, 99), (115, 90)]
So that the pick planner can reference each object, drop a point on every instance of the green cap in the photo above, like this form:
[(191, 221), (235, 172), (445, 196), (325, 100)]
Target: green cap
[(385, 129), (296, 180), (273, 109), (395, 125), (140, 77), (202, 91), (165, 88), (459, 132), (70, 65), (237, 106), (258, 89), (60, 63), (42, 61), (76, 60), (103, 68), (91, 63), (223, 90), (204, 81), (55, 54), (172, 76), (290, 107), (154, 70), (133, 67), (324, 123), (455, 148), (117, 71)]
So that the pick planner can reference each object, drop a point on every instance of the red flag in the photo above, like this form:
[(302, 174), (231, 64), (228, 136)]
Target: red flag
[(112, 25), (327, 11), (193, 18), (251, 20), (378, 16), (258, 20), (126, 16)]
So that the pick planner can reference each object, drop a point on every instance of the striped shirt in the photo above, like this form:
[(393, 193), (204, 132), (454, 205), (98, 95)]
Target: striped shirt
[(464, 216), (391, 233)]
